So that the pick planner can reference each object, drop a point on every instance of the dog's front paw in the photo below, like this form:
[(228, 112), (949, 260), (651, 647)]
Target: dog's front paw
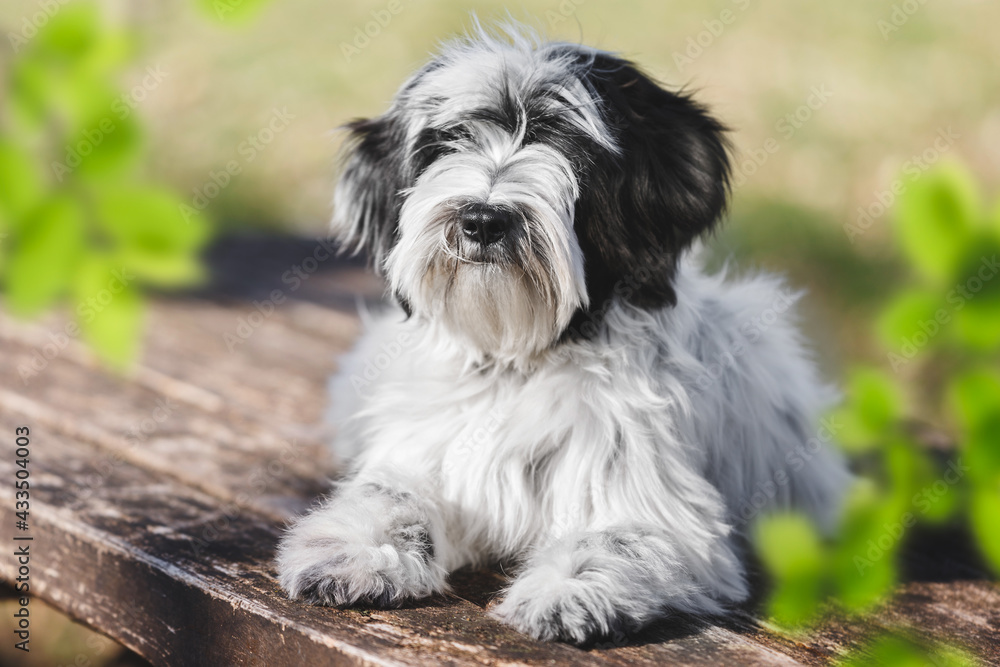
[(323, 560), (549, 607)]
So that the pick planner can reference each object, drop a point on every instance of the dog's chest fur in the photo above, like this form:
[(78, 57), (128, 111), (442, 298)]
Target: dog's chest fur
[(511, 456), (654, 413)]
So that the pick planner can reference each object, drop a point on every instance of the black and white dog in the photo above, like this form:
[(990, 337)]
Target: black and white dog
[(573, 391)]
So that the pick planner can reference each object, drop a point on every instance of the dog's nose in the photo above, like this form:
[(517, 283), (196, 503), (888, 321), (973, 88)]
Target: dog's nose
[(485, 224)]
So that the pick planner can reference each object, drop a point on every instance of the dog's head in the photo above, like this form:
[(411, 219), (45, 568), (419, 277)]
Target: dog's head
[(513, 185)]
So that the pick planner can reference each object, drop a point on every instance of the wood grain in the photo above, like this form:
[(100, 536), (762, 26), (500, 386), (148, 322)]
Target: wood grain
[(158, 499)]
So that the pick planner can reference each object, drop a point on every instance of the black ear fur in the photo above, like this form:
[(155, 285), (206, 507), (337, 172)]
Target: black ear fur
[(368, 203), (640, 209)]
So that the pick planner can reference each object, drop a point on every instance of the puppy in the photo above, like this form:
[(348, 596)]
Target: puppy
[(563, 386)]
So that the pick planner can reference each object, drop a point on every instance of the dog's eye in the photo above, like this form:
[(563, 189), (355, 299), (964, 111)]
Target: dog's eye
[(551, 134), (435, 142), (546, 126), (426, 154), (454, 134)]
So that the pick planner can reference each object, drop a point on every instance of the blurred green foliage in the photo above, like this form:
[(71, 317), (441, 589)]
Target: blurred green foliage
[(898, 651), (947, 316), (77, 222)]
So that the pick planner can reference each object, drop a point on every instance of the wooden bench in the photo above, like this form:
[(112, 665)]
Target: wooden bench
[(158, 498)]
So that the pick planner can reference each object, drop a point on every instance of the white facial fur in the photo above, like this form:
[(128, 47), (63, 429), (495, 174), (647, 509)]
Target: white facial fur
[(511, 307)]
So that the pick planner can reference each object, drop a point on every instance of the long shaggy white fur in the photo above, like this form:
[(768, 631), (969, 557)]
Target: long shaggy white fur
[(617, 447), (662, 432)]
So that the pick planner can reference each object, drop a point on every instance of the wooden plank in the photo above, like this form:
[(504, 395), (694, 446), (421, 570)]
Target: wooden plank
[(678, 640), (167, 516), (133, 559), (130, 422)]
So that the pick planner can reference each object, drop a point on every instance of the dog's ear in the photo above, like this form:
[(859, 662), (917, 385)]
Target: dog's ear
[(367, 199), (643, 207)]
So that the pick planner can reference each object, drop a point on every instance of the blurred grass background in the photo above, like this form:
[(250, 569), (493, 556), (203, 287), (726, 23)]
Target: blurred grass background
[(848, 93), (890, 94)]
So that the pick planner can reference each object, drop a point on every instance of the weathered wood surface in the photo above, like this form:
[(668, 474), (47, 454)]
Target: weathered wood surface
[(158, 498)]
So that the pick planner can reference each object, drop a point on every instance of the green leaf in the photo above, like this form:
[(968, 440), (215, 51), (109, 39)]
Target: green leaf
[(891, 650), (888, 651), (20, 183), (974, 397), (974, 400), (109, 310), (790, 548), (44, 259), (112, 143), (876, 399), (69, 35), (982, 451), (44, 97), (917, 486), (910, 324), (978, 327), (864, 557), (976, 295), (853, 435), (173, 269), (5, 240), (935, 217), (984, 512), (907, 471), (67, 72), (944, 498), (108, 54), (28, 91), (82, 104), (151, 220)]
